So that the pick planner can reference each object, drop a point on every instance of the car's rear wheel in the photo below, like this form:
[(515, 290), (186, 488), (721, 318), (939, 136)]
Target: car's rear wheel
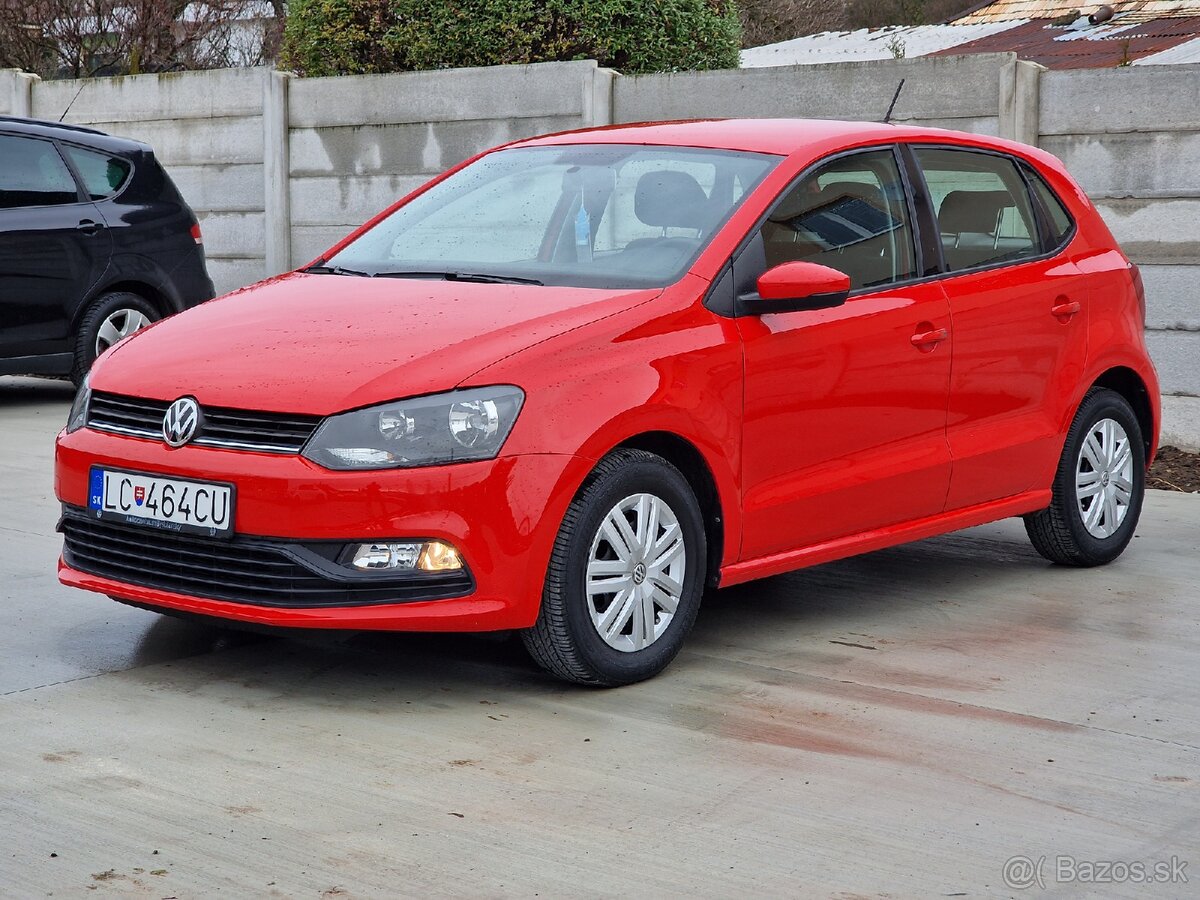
[(1098, 488), (625, 577), (108, 319)]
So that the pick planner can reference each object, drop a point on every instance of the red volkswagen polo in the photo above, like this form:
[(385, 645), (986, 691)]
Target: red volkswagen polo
[(577, 379)]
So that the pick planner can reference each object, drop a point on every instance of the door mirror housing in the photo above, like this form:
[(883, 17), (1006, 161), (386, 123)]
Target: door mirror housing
[(801, 285)]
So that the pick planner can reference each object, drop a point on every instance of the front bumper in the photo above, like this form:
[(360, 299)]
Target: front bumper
[(502, 515)]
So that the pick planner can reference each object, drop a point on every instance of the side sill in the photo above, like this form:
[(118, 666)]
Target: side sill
[(865, 542)]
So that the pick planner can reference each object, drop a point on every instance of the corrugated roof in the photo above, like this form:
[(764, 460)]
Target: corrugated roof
[(1134, 10), (868, 43), (1179, 55), (1095, 47)]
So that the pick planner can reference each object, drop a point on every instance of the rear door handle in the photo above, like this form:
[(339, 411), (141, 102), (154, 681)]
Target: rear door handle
[(927, 338), (88, 226), (1065, 309)]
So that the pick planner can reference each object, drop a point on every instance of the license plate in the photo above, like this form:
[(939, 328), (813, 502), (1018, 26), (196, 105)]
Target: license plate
[(171, 504)]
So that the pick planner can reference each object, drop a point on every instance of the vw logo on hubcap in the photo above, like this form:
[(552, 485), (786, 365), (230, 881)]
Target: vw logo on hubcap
[(639, 573), (180, 422)]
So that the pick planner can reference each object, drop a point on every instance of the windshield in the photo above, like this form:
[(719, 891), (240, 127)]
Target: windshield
[(591, 215)]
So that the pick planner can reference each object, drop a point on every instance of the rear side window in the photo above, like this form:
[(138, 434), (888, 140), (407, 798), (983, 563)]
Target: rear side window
[(983, 209), (851, 215), (102, 175), (1060, 220), (33, 174)]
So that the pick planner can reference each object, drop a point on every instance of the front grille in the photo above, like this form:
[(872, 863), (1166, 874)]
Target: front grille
[(232, 429), (254, 571)]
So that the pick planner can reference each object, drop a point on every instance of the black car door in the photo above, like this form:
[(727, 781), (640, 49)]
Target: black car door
[(54, 247)]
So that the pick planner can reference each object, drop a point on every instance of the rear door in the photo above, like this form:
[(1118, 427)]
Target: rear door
[(1019, 312), (845, 408), (53, 247)]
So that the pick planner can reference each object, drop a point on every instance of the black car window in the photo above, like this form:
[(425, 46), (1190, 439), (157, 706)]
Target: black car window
[(983, 210), (1061, 223), (33, 174), (850, 215), (102, 175)]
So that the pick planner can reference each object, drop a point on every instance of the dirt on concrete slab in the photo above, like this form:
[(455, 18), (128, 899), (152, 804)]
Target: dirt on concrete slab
[(1175, 470)]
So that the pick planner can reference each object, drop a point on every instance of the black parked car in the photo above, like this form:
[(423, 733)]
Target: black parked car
[(95, 243)]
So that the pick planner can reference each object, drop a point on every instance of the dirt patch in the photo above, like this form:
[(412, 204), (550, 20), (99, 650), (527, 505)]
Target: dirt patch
[(1175, 470)]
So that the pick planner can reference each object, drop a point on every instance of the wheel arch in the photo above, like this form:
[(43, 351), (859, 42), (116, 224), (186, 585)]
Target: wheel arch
[(687, 458), (1130, 385)]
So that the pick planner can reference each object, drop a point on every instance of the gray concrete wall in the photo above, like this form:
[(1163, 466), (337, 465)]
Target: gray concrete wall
[(1131, 136), (859, 91)]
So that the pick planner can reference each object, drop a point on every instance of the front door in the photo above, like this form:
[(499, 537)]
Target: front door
[(845, 409)]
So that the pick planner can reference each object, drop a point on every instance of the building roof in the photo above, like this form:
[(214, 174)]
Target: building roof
[(1084, 46), (1129, 10), (868, 43)]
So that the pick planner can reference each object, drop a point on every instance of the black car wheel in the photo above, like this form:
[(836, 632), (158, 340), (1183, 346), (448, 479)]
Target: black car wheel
[(1098, 488), (625, 577)]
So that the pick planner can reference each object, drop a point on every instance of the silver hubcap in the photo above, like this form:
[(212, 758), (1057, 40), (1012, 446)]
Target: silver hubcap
[(635, 572), (121, 324), (1104, 478)]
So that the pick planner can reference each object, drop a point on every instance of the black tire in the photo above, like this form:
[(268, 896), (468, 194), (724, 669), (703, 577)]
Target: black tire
[(1058, 533), (564, 640), (97, 313)]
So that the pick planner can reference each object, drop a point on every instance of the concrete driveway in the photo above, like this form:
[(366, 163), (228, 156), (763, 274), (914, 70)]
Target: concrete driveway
[(897, 725)]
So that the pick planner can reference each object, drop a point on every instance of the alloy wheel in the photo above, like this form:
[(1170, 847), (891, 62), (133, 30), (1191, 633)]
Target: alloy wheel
[(119, 324)]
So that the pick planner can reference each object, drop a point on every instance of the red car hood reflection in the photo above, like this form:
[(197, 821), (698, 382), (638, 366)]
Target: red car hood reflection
[(320, 344)]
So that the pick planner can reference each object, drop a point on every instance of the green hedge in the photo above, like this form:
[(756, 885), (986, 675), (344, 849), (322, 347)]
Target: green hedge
[(340, 37)]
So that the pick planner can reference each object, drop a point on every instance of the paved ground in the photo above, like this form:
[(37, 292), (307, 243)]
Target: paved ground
[(898, 725)]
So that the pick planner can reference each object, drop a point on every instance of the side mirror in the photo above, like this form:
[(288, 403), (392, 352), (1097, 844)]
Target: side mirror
[(801, 285)]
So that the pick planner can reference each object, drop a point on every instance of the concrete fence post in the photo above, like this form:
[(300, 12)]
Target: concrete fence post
[(1020, 96), (16, 90), (277, 195), (598, 97)]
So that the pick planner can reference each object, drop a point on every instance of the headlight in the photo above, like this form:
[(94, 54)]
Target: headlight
[(422, 431), (77, 417)]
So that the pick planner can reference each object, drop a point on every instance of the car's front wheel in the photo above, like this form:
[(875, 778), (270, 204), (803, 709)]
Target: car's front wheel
[(108, 319), (1098, 488), (625, 577)]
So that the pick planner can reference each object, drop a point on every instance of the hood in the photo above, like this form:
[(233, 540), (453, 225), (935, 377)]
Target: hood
[(320, 344)]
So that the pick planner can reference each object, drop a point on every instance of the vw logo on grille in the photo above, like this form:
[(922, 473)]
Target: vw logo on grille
[(180, 422)]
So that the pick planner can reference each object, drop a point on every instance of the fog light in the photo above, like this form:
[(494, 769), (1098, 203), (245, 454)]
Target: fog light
[(387, 556), (439, 557)]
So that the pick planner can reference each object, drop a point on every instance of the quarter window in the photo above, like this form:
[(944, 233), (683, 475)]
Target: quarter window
[(1060, 219), (983, 211), (850, 215), (33, 174), (102, 175)]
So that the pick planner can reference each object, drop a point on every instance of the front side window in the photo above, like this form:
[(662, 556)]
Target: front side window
[(592, 215), (850, 215), (33, 174), (102, 175), (983, 211)]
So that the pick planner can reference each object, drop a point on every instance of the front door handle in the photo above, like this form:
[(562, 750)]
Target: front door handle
[(1064, 309), (927, 339), (87, 226)]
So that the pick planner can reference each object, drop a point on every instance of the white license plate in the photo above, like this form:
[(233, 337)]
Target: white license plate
[(171, 504)]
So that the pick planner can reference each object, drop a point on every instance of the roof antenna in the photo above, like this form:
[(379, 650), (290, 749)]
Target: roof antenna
[(891, 106), (83, 83)]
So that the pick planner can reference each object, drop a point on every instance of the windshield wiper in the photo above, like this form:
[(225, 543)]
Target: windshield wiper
[(462, 276), (336, 270)]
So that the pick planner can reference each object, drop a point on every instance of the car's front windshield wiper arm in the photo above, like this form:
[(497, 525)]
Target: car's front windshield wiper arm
[(462, 276), (336, 270)]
